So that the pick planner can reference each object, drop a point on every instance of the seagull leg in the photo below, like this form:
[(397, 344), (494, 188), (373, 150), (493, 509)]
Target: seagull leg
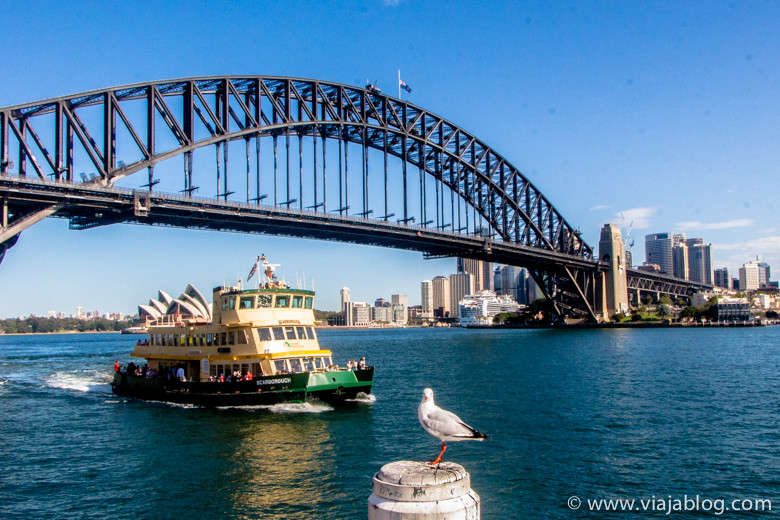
[(438, 459)]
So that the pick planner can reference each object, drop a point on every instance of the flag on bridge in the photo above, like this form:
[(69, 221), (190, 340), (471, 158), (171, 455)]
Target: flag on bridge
[(404, 86)]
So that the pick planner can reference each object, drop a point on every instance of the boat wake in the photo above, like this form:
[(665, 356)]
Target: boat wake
[(363, 397), (83, 381), (300, 408)]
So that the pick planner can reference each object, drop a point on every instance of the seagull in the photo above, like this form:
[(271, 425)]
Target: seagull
[(444, 425)]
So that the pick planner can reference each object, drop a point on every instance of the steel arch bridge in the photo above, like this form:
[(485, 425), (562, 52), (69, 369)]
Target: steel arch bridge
[(116, 155)]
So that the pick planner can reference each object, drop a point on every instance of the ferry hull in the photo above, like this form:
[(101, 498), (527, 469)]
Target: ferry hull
[(330, 387)]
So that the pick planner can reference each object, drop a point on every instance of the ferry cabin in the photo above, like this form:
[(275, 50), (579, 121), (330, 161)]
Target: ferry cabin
[(264, 331)]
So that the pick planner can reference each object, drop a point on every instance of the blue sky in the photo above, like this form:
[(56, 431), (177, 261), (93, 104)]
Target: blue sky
[(663, 112)]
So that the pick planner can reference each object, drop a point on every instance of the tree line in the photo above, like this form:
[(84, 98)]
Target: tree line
[(34, 324)]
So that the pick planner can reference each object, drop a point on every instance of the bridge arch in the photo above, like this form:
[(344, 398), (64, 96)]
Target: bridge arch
[(195, 113)]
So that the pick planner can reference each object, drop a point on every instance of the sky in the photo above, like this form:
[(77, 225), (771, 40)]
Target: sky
[(658, 116)]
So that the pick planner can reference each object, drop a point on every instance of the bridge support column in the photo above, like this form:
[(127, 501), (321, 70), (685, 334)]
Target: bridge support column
[(615, 287)]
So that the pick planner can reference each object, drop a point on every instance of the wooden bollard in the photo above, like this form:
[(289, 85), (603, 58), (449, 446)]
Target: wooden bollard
[(407, 490)]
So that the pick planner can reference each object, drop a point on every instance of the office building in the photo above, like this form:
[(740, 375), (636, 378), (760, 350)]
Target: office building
[(400, 305), (680, 267), (441, 296), (426, 292), (700, 262), (658, 250), (722, 278), (461, 285), (749, 277), (482, 271)]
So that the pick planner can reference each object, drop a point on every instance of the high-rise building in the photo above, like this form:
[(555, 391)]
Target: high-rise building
[(481, 271), (763, 273), (681, 268), (379, 302), (344, 296), (533, 291), (426, 292), (658, 250), (497, 279), (461, 284), (700, 262), (510, 281), (441, 296), (748, 277), (722, 278)]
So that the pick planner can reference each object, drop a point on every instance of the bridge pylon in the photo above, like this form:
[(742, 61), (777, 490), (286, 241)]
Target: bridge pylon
[(613, 287)]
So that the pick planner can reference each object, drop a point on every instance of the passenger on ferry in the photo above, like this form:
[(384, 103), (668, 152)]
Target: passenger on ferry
[(180, 374), (116, 366), (349, 365), (362, 364)]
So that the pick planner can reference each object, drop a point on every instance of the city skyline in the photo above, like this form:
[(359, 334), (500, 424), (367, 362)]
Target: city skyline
[(659, 117)]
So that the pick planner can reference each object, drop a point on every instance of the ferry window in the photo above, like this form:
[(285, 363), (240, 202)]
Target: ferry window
[(208, 339), (295, 365), (241, 336), (216, 339), (223, 339), (301, 332), (231, 302), (244, 369), (308, 302), (297, 302), (281, 368), (202, 340), (282, 300), (308, 364), (310, 333), (290, 331), (246, 302), (264, 333), (231, 338), (278, 332), (264, 300), (318, 363)]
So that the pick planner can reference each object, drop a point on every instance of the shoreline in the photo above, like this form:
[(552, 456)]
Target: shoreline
[(60, 332)]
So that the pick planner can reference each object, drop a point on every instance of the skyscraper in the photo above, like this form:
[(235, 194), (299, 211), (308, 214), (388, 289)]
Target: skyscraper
[(681, 267), (400, 304), (441, 296), (700, 262), (461, 284), (481, 270), (748, 277), (658, 250), (426, 291)]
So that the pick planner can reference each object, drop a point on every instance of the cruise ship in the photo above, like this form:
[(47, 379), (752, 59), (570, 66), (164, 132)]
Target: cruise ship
[(479, 310), (248, 347)]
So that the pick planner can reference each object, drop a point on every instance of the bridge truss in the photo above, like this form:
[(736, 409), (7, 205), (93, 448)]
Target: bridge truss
[(315, 159)]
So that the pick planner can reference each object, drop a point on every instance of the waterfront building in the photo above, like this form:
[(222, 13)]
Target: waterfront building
[(361, 314), (461, 284), (441, 296), (380, 302), (722, 278), (426, 292), (382, 314), (658, 250), (348, 314), (700, 299), (480, 309), (733, 309), (400, 304)]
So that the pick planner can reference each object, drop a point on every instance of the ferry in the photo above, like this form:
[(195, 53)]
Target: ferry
[(249, 347)]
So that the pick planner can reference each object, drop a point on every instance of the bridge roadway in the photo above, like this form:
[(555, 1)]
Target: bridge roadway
[(91, 205)]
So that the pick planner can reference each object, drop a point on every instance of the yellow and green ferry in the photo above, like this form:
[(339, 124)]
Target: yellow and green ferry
[(249, 347)]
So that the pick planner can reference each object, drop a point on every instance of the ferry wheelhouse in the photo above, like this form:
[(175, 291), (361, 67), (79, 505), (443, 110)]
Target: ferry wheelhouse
[(249, 347)]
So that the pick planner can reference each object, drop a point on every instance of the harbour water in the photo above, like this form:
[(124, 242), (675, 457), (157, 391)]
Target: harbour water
[(596, 414)]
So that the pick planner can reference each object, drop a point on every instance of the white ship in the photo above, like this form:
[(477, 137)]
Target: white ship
[(478, 310)]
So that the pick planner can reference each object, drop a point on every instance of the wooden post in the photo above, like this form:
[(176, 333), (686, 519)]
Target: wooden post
[(414, 490)]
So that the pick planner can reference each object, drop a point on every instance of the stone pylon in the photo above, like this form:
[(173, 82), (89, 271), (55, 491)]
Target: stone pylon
[(615, 289)]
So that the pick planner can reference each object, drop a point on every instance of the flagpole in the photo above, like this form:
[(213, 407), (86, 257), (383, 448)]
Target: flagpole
[(399, 83)]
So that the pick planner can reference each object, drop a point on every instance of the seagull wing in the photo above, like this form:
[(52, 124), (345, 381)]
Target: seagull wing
[(446, 425)]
